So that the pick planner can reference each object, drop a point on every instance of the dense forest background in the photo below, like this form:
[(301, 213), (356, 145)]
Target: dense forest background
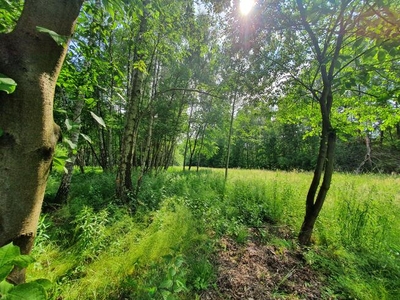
[(195, 80)]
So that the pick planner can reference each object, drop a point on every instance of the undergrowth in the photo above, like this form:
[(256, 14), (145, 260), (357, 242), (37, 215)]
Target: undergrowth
[(94, 248)]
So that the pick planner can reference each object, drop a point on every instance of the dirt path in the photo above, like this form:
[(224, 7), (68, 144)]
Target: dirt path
[(256, 270)]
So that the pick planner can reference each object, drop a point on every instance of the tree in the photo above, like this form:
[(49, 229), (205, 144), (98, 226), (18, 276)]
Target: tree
[(32, 54), (324, 26), (300, 54)]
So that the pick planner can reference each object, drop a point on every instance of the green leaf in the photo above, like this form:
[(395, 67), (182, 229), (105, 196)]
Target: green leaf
[(5, 287), (358, 42), (381, 55), (172, 272), (5, 270), (166, 295), (7, 84), (23, 261), (179, 261), (26, 291), (45, 283), (70, 143), (98, 119), (141, 66), (152, 290), (179, 286), (1, 132), (61, 40), (166, 284), (68, 124), (370, 53), (87, 138), (7, 254), (61, 111)]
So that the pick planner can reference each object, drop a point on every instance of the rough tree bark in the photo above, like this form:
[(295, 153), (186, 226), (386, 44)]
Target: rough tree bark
[(33, 60)]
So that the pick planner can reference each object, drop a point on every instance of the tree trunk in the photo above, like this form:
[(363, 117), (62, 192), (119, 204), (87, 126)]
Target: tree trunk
[(33, 60), (124, 181), (201, 148), (317, 194), (188, 135), (63, 189), (80, 159), (367, 157), (146, 155), (325, 167), (193, 150), (228, 152)]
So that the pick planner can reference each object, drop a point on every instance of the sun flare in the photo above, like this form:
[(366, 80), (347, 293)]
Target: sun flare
[(246, 6)]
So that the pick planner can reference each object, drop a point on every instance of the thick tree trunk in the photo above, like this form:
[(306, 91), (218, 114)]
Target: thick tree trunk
[(33, 60)]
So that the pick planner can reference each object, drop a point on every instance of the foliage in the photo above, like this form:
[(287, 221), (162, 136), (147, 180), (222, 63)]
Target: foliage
[(10, 258), (9, 12), (7, 84), (59, 39)]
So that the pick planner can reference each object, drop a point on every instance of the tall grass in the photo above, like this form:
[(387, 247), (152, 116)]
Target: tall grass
[(93, 249)]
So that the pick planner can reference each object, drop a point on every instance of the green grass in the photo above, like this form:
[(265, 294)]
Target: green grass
[(94, 249)]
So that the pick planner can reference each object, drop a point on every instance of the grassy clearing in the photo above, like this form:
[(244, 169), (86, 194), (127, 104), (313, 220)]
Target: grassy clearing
[(93, 249)]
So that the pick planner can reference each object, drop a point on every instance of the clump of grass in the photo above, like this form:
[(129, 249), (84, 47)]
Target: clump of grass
[(131, 252)]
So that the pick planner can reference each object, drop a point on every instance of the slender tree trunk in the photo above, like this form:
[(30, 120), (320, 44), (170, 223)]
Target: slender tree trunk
[(317, 194), (188, 136), (325, 168), (80, 159), (33, 60), (228, 152), (124, 173), (201, 146), (146, 154), (367, 157), (63, 190)]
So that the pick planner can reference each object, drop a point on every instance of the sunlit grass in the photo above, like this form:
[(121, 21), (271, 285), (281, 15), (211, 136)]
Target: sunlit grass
[(356, 241)]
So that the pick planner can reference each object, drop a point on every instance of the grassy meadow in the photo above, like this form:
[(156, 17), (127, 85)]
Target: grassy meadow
[(163, 246)]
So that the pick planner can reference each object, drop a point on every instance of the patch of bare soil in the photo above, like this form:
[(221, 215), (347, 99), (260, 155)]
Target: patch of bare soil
[(258, 270)]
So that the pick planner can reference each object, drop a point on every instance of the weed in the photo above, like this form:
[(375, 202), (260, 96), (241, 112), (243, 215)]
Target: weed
[(42, 236), (89, 231), (175, 279)]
